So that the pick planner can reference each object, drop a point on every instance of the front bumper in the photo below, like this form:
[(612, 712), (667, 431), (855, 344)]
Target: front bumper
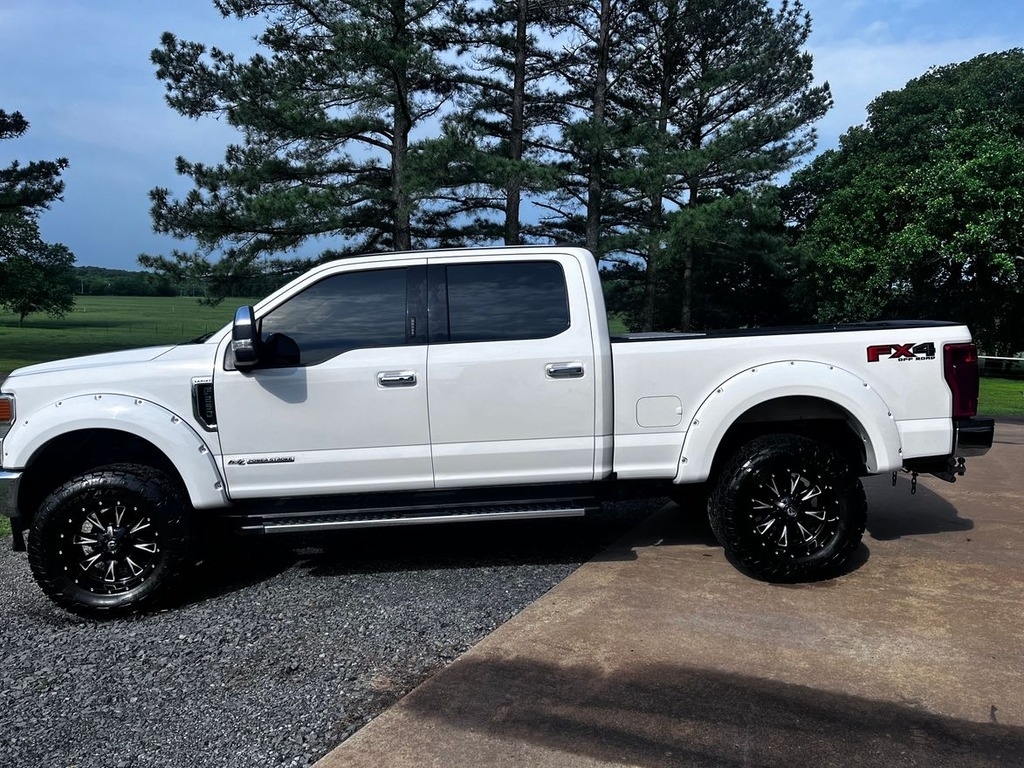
[(10, 482), (974, 436), (9, 485)]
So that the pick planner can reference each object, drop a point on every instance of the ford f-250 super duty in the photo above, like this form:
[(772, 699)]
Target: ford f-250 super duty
[(467, 385)]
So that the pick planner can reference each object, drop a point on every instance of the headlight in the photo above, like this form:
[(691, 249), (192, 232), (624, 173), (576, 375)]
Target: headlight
[(7, 414)]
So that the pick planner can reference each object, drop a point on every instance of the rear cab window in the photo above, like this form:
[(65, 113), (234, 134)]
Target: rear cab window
[(504, 301)]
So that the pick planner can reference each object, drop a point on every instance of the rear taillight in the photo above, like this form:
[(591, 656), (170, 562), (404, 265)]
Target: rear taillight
[(960, 366)]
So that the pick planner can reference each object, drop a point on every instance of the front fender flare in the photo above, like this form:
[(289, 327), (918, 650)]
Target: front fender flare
[(870, 416), (167, 432)]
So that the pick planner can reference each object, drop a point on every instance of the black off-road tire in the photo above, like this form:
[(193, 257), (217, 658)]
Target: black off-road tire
[(108, 542), (787, 508)]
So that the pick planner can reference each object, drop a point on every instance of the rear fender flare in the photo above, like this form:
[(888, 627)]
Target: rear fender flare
[(869, 415)]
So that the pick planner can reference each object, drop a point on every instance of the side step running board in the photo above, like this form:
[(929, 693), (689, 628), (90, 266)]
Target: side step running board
[(331, 520)]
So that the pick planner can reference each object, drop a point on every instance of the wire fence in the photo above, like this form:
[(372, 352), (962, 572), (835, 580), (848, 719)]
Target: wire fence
[(1001, 367)]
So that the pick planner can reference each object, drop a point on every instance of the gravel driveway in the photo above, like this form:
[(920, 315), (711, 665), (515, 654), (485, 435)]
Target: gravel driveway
[(282, 648)]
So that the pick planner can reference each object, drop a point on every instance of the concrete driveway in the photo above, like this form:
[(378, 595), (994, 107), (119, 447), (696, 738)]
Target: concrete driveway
[(659, 653)]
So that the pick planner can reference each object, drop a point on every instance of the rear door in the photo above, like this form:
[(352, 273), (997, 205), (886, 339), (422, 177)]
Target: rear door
[(511, 371)]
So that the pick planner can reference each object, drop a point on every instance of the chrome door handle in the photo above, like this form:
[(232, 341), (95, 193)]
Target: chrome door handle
[(564, 370), (396, 378)]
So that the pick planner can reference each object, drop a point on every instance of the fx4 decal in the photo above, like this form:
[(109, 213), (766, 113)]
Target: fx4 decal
[(925, 351)]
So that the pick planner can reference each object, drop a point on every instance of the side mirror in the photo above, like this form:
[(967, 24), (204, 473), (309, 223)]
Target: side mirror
[(245, 339)]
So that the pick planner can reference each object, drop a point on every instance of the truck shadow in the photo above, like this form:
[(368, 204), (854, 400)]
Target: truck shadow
[(894, 513), (229, 562)]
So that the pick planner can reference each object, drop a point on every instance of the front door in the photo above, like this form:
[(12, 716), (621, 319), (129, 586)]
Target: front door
[(338, 402)]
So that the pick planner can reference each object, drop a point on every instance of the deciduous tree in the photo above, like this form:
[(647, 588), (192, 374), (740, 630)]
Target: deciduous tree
[(919, 211)]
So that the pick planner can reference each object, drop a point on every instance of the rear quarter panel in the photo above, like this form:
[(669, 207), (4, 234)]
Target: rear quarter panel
[(901, 386)]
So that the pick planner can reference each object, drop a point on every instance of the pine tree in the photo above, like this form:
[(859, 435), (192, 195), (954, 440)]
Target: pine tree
[(327, 112), (505, 113), (32, 272), (720, 99)]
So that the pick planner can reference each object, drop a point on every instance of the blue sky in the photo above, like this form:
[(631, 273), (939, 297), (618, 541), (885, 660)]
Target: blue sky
[(79, 71)]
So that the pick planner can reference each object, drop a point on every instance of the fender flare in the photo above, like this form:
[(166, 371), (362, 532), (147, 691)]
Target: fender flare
[(167, 432), (871, 417)]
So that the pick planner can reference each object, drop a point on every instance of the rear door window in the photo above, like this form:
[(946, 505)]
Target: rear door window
[(506, 301)]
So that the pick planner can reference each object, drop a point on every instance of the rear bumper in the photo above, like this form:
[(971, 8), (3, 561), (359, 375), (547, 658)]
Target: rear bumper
[(974, 436)]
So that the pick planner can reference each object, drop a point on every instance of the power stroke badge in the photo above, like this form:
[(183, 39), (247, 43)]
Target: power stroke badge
[(261, 460)]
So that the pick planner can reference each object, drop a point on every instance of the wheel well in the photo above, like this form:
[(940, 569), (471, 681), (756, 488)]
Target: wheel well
[(810, 417), (76, 452)]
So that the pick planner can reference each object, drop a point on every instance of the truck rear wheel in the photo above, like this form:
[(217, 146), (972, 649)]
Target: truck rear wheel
[(788, 508), (107, 542)]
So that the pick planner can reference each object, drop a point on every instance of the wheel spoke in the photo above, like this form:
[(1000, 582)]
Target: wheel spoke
[(111, 574), (140, 526), (808, 536), (81, 540), (94, 522), (119, 511), (763, 527), (134, 567), (146, 547), (812, 493), (90, 561), (784, 538), (794, 481)]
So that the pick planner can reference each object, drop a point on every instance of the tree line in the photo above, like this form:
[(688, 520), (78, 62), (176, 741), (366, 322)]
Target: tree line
[(103, 281), (655, 133), (398, 124)]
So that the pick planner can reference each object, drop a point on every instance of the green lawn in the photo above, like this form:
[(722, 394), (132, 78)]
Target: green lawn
[(1001, 397), (105, 324), (616, 325)]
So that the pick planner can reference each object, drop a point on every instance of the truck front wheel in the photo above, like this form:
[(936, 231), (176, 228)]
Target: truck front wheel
[(107, 542), (788, 508)]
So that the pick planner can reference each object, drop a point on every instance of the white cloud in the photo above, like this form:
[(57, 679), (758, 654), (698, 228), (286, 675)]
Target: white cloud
[(858, 71)]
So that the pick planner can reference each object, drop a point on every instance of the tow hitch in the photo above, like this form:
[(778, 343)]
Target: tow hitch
[(948, 469)]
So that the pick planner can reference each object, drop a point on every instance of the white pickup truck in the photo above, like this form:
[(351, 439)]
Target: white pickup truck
[(463, 385)]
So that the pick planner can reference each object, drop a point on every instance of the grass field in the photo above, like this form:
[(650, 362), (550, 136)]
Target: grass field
[(1001, 397), (105, 324)]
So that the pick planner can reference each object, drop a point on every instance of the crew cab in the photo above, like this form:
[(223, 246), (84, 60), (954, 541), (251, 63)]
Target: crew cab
[(454, 385)]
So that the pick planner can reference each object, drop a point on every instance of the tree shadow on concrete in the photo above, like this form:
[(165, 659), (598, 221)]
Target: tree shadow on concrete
[(659, 715)]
